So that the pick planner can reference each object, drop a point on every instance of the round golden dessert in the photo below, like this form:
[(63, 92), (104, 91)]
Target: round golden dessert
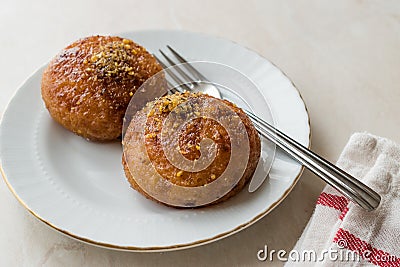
[(189, 137), (87, 87)]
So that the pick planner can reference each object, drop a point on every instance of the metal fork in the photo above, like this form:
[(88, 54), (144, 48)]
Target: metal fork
[(345, 183)]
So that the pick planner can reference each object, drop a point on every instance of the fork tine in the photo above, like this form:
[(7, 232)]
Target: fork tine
[(188, 66), (160, 61), (173, 89), (177, 68), (172, 75)]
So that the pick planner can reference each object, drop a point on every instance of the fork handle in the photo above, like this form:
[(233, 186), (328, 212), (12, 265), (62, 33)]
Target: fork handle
[(346, 184)]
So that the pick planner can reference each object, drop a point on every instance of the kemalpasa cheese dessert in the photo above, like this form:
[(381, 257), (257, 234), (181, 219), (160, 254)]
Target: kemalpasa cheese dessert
[(88, 85), (155, 115)]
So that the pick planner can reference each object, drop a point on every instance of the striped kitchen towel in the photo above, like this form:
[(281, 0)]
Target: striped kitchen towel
[(340, 233)]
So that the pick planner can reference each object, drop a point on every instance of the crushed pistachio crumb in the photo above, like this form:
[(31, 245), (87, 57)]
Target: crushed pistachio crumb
[(113, 60), (179, 174), (151, 113), (151, 135)]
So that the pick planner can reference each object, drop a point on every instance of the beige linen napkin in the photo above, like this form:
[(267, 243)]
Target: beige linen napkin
[(340, 233)]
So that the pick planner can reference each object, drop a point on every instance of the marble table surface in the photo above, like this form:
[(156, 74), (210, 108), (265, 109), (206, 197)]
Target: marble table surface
[(343, 56)]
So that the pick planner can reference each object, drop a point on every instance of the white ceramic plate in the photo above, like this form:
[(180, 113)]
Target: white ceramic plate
[(78, 187)]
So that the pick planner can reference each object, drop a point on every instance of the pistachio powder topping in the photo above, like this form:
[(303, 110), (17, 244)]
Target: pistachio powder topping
[(114, 61), (168, 103)]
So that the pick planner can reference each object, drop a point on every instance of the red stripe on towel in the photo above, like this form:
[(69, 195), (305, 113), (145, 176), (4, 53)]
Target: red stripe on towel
[(333, 201), (365, 250), (344, 212)]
